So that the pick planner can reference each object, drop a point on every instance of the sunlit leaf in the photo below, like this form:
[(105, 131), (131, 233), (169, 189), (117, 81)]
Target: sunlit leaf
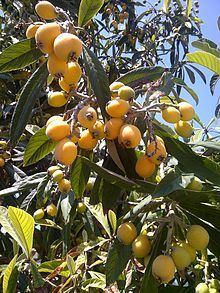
[(88, 9), (7, 274)]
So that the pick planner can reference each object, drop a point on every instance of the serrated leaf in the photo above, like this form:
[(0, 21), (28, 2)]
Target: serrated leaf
[(182, 83), (141, 74), (87, 10), (39, 146), (118, 257), (205, 59), (7, 274), (19, 55), (205, 46), (97, 212), (26, 102), (113, 220), (97, 78)]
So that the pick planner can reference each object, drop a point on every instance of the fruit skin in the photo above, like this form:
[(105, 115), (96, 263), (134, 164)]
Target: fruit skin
[(184, 129), (213, 290), (197, 237), (87, 116), (73, 73), (126, 233), (144, 167), (46, 10), (65, 152), (191, 251), (45, 36), (64, 86), (171, 115), (126, 93), (180, 257), (157, 152), (31, 30), (90, 184), (87, 141), (57, 99), (97, 130), (52, 169), (67, 47), (58, 130), (202, 288), (64, 185), (196, 184), (2, 162), (51, 210), (158, 268), (112, 128), (114, 87), (187, 111), (57, 176), (38, 214), (117, 108), (214, 284), (54, 118), (81, 207), (55, 66), (3, 145), (141, 246), (129, 136)]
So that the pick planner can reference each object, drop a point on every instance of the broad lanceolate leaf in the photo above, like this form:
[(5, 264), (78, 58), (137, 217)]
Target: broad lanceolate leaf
[(88, 9), (20, 225), (118, 257), (37, 278), (182, 83), (27, 101), (7, 274), (38, 147), (146, 74), (19, 55), (213, 81), (166, 5), (205, 46), (214, 145), (97, 78), (189, 7), (205, 59)]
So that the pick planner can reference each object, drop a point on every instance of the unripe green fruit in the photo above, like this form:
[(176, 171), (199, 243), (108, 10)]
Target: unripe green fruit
[(81, 207), (215, 284), (126, 93), (57, 176), (3, 145), (196, 184), (202, 288), (52, 169), (39, 214), (51, 210)]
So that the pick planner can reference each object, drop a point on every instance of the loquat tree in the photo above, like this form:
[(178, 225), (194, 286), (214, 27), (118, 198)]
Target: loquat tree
[(109, 180)]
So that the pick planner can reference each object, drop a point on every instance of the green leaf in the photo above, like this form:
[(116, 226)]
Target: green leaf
[(97, 78), (71, 264), (38, 147), (7, 274), (48, 223), (166, 5), (19, 55), (27, 101), (113, 220), (20, 225), (51, 266), (87, 10), (141, 74), (213, 82), (118, 257), (214, 145), (180, 82), (205, 46), (97, 212), (189, 7), (79, 176), (175, 289), (93, 283), (205, 59), (37, 278)]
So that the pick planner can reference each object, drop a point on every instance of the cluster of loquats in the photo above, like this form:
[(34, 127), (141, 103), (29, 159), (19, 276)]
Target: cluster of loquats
[(4, 153), (62, 49), (180, 115), (178, 257)]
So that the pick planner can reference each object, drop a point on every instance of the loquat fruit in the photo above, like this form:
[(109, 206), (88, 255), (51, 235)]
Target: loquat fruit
[(126, 93), (54, 118), (97, 130), (64, 185), (158, 268), (117, 108), (51, 210), (55, 66), (2, 162), (57, 99), (81, 207), (156, 152), (141, 246), (31, 30), (87, 116), (45, 36), (73, 73), (126, 233), (196, 184), (38, 214), (171, 114), (129, 136), (144, 167), (3, 144), (197, 237), (64, 86), (191, 251), (58, 130), (187, 111), (180, 257), (184, 129), (67, 47), (202, 288), (46, 10), (87, 141), (65, 152), (114, 87), (57, 176), (112, 128), (52, 169)]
